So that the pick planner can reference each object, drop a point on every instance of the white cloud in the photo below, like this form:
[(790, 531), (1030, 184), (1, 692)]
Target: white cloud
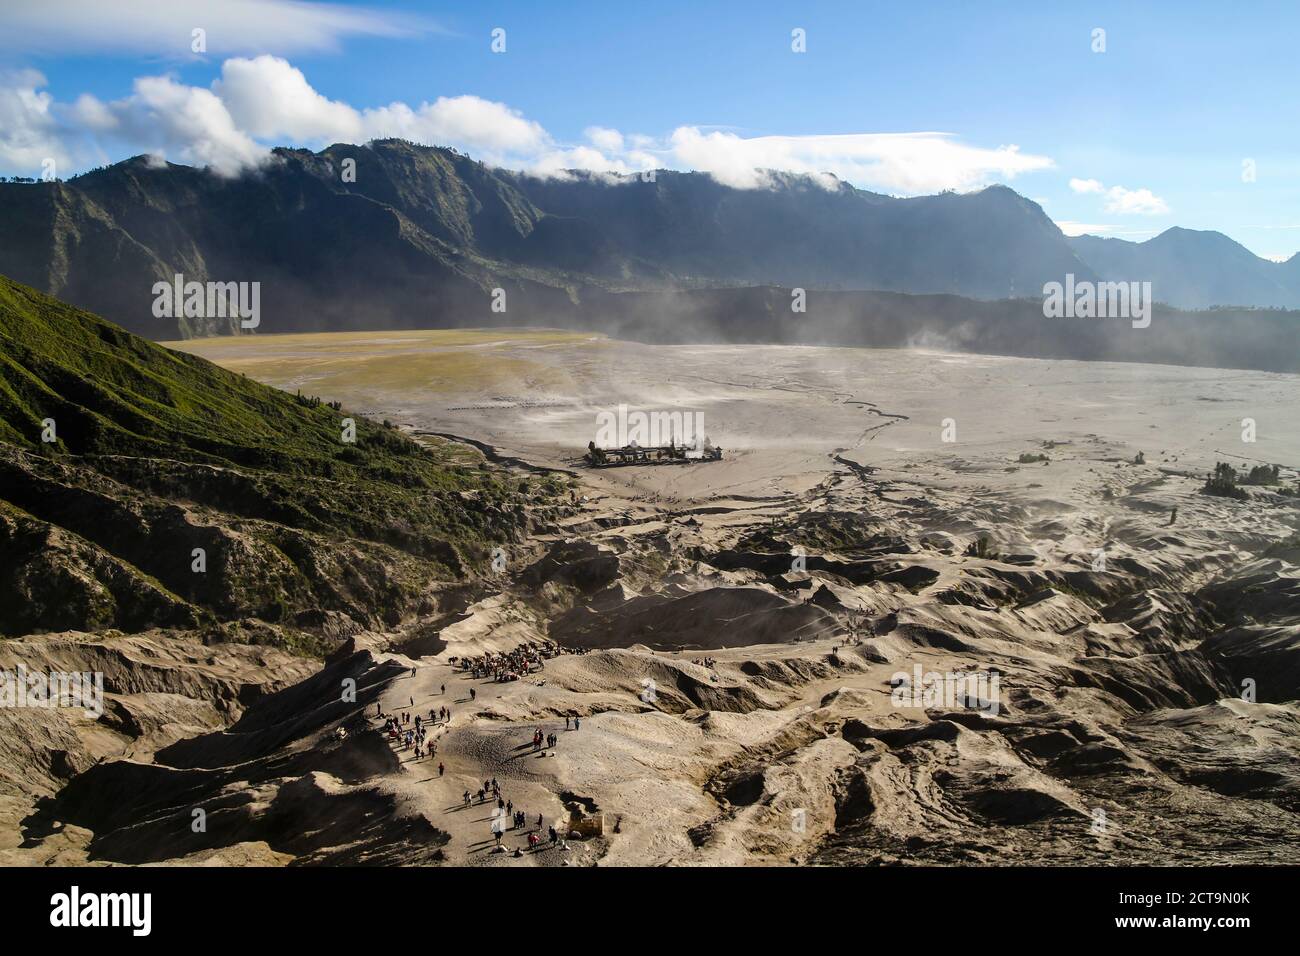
[(480, 125), (262, 101), (92, 115), (558, 162), (29, 132), (167, 119), (609, 140), (186, 122), (909, 163), (270, 98), (1072, 228), (162, 28), (1124, 201), (266, 100), (1134, 202)]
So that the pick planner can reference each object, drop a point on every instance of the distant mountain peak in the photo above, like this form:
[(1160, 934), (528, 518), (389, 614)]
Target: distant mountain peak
[(1193, 268)]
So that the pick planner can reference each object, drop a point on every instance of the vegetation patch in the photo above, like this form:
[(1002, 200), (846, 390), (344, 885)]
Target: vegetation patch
[(158, 489)]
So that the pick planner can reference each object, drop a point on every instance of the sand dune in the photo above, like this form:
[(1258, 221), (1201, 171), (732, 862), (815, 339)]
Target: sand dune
[(741, 640)]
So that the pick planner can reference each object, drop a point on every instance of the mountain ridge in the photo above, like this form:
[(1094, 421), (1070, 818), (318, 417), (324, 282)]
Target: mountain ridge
[(427, 229), (1191, 268), (395, 235)]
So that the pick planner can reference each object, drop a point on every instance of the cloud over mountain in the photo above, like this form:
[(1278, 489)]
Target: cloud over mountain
[(264, 100)]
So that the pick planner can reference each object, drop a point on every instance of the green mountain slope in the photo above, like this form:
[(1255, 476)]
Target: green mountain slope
[(157, 453)]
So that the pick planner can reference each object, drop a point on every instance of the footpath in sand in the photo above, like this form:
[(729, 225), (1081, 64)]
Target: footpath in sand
[(472, 755), (736, 632), (646, 763)]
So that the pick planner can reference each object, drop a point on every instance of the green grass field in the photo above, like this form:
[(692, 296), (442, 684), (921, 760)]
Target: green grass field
[(429, 360)]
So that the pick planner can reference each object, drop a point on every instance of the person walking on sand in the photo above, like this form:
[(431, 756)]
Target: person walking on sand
[(444, 689), (441, 769), (472, 694), (577, 723)]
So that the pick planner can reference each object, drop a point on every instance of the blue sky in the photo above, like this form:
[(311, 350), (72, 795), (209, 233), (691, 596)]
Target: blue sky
[(1153, 132)]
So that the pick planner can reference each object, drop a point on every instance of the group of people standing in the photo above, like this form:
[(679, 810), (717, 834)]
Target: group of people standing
[(407, 732), (509, 665), (410, 730)]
